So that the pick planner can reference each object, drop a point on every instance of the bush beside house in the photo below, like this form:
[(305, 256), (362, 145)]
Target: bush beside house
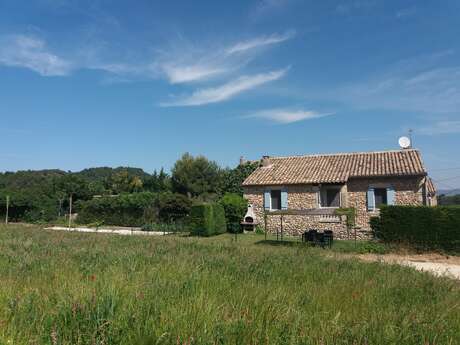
[(420, 226), (235, 207), (207, 220)]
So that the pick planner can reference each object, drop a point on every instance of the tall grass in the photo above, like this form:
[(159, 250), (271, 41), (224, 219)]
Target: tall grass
[(74, 288)]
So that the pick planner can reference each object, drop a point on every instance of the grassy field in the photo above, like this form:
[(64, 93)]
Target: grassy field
[(76, 288)]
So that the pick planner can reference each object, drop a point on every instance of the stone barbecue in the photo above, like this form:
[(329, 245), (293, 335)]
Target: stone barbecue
[(249, 222)]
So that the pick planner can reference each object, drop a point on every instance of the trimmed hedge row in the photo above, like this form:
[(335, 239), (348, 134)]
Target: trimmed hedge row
[(420, 226), (207, 220), (235, 207), (124, 210)]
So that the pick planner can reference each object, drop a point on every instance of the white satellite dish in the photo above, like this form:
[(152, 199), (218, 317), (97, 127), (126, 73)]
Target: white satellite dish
[(404, 142)]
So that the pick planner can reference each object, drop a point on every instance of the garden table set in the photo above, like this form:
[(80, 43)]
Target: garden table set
[(318, 238)]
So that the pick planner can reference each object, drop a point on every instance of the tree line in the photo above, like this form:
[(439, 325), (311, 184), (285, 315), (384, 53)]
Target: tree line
[(43, 196)]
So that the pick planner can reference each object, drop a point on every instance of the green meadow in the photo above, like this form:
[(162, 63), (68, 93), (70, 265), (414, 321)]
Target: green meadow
[(77, 288)]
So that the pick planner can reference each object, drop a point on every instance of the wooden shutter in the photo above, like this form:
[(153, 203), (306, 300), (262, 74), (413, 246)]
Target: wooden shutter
[(284, 199), (390, 196), (267, 201), (370, 199)]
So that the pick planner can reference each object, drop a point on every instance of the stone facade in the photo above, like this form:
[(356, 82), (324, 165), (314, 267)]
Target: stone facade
[(408, 191)]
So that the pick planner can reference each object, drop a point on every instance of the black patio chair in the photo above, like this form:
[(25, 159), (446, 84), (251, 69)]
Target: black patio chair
[(328, 237), (304, 236), (319, 240), (311, 236)]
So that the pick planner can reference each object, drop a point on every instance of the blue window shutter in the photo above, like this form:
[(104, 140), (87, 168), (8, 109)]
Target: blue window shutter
[(370, 199), (284, 199), (267, 201), (390, 196)]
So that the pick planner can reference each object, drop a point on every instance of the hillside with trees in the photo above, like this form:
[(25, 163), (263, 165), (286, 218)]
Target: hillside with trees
[(120, 196)]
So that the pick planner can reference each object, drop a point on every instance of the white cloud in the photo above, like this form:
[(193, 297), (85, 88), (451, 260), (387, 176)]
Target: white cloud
[(259, 42), (32, 53), (228, 90), (433, 91), (184, 74), (285, 116), (415, 85), (186, 62), (441, 127)]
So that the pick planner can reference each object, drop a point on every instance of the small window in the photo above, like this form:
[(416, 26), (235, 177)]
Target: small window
[(380, 197), (330, 197), (275, 196)]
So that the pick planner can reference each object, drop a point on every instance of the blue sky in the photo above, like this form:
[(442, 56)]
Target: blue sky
[(109, 83)]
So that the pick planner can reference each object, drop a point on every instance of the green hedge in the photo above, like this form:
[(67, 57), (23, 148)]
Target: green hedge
[(235, 207), (207, 220), (125, 210), (420, 226)]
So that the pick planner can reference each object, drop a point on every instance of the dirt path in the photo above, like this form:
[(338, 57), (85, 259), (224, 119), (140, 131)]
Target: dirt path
[(119, 231), (434, 263)]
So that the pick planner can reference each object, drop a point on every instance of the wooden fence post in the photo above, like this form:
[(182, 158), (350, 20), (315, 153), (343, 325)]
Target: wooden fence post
[(70, 211), (265, 224), (7, 208)]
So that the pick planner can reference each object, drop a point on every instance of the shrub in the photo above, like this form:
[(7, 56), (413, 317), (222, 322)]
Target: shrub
[(134, 209), (374, 222), (420, 226), (259, 230), (207, 220), (172, 206), (235, 207), (350, 213), (124, 210), (220, 224)]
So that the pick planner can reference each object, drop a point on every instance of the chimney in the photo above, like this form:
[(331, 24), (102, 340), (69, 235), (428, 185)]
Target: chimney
[(242, 160), (265, 161)]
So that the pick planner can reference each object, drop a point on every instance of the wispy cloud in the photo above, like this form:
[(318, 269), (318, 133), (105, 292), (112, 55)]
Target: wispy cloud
[(263, 7), (228, 90), (183, 62), (348, 7), (415, 85), (186, 62), (32, 53), (285, 116), (260, 42), (406, 12), (440, 127), (177, 73)]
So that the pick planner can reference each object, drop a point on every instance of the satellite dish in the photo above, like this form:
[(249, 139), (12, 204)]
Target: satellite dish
[(404, 142)]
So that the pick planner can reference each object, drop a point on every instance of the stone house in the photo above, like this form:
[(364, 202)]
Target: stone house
[(304, 192)]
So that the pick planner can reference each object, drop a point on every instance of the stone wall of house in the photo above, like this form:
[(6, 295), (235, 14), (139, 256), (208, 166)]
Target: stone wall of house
[(408, 191), (300, 197), (295, 225)]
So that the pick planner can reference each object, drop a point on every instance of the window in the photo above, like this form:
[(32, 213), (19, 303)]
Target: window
[(380, 195), (275, 197), (330, 196)]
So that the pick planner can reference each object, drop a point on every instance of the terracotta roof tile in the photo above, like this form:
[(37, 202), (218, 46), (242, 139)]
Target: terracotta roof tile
[(431, 189), (336, 168)]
